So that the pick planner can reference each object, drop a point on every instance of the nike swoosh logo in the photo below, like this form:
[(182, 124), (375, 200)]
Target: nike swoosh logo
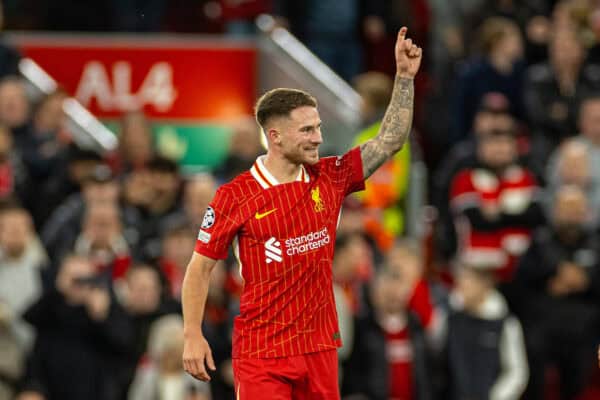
[(260, 216)]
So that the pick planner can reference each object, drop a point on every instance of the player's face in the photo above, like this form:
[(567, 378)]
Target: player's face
[(301, 136)]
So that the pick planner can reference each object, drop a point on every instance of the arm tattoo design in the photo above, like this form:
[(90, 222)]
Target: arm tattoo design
[(394, 130)]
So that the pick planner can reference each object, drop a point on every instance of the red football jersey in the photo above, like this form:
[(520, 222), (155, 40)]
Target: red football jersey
[(283, 236)]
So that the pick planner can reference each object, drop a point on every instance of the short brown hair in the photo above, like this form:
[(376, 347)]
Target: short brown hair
[(280, 103)]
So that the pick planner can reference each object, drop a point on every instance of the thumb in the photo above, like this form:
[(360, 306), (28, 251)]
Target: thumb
[(209, 361)]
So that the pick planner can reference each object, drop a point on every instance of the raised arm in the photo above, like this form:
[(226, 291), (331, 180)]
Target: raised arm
[(196, 352), (397, 120)]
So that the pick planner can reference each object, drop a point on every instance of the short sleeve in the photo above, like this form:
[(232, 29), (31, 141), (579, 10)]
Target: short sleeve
[(346, 170), (219, 226)]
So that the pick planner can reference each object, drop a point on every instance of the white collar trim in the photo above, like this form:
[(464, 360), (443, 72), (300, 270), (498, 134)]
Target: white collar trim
[(267, 180)]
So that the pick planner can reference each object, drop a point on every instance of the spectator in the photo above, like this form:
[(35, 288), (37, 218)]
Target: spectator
[(136, 145), (46, 146), (385, 191), (163, 203), (554, 89), (589, 125), (571, 165), (64, 224), (350, 267), (330, 30), (102, 240), (21, 261), (485, 350), (380, 29), (178, 243), (66, 181), (14, 179), (221, 307), (353, 268), (560, 273), (15, 110), (197, 194), (137, 189), (198, 190), (163, 377), (495, 205), (244, 147), (500, 69), (143, 301), (390, 357), (492, 116), (82, 336)]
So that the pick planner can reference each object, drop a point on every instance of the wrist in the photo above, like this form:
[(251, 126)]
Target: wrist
[(405, 76), (192, 332)]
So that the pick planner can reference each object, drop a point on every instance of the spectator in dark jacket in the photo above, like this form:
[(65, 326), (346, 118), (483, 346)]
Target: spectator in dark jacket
[(143, 300), (391, 357), (560, 278), (82, 335), (64, 224), (329, 28), (501, 69), (553, 91), (485, 350)]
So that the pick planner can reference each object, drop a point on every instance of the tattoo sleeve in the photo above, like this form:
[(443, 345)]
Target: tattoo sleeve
[(394, 130)]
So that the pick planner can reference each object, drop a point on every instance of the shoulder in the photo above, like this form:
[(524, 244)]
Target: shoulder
[(239, 188), (332, 163)]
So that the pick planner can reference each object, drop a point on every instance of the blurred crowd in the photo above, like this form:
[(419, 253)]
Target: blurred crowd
[(499, 299)]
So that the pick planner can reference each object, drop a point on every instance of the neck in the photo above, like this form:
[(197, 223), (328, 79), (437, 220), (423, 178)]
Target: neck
[(281, 168), (474, 306)]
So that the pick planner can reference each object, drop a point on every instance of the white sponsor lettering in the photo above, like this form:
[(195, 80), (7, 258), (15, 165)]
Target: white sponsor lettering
[(308, 242), (296, 245)]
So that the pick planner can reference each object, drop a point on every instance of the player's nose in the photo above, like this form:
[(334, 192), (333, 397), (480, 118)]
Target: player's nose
[(316, 137)]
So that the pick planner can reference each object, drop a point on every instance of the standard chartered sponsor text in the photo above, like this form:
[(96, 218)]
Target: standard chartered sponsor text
[(308, 242)]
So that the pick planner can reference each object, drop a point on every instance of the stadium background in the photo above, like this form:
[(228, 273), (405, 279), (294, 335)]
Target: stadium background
[(119, 119)]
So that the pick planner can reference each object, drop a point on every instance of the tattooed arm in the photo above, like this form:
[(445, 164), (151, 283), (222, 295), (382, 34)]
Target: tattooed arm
[(397, 120)]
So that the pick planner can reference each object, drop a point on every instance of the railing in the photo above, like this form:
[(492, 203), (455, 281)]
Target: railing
[(87, 131)]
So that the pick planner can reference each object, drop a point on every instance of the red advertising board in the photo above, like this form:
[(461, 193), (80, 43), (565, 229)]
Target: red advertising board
[(171, 78)]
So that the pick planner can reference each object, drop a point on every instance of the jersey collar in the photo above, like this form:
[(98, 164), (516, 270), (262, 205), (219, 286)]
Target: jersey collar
[(267, 180)]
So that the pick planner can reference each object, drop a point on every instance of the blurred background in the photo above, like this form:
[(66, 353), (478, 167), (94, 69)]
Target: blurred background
[(469, 268)]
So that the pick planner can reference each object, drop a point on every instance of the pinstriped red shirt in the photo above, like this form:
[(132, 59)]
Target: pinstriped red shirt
[(283, 236)]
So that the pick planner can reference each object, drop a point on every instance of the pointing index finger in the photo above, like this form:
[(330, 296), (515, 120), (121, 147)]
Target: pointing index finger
[(402, 33)]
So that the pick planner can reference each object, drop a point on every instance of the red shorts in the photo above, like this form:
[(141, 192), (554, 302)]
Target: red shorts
[(312, 376)]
